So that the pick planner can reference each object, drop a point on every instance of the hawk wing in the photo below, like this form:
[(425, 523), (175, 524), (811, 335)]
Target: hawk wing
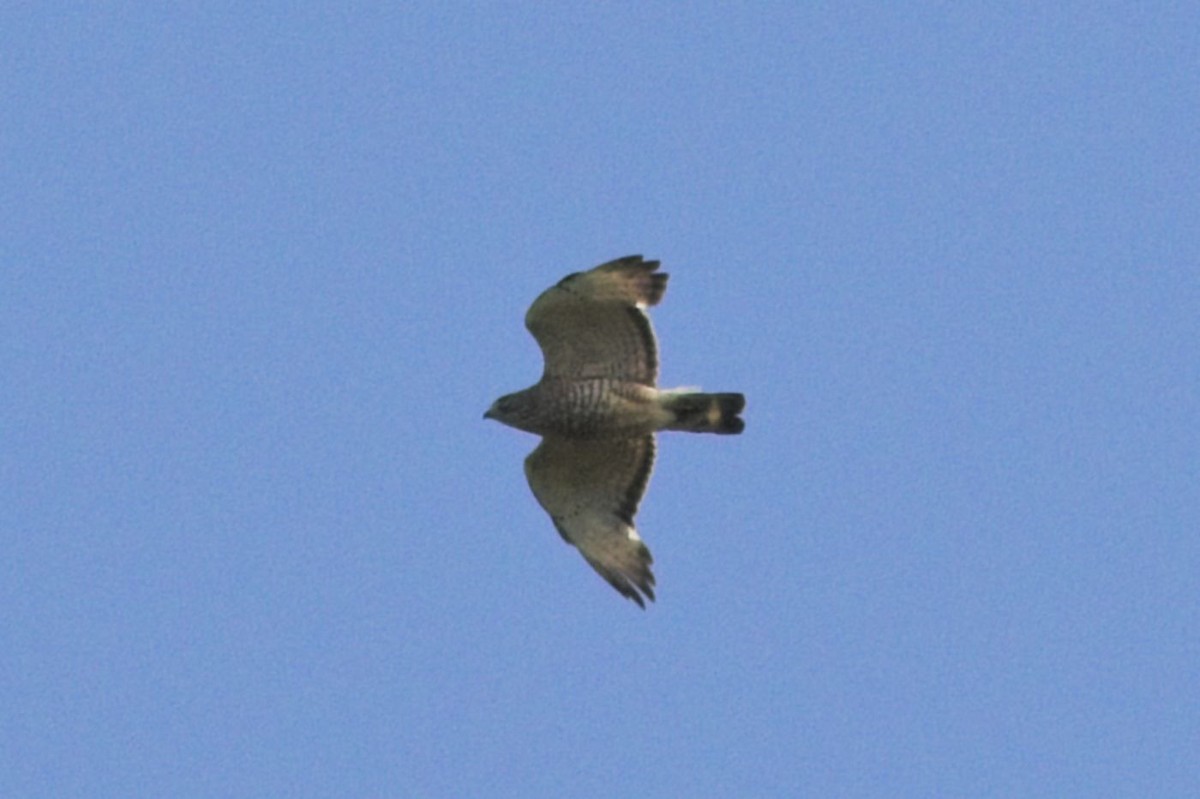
[(591, 324), (591, 490)]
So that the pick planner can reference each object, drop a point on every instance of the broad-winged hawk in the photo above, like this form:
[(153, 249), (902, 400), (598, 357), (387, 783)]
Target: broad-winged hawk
[(597, 409)]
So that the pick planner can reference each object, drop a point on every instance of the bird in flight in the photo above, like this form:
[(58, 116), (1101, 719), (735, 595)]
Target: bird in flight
[(597, 408)]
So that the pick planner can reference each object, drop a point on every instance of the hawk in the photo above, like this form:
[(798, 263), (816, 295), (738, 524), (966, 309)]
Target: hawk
[(597, 409)]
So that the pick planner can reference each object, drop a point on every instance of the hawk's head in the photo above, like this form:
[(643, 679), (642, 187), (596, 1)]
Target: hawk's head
[(514, 410)]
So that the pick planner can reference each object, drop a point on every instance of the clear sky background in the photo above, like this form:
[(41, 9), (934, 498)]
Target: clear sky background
[(263, 269)]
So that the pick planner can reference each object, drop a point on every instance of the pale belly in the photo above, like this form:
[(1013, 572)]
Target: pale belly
[(599, 408)]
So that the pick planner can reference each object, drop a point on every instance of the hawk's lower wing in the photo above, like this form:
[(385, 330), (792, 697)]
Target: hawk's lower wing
[(591, 490)]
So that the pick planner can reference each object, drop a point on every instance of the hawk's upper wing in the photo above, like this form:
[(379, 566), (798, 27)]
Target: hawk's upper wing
[(591, 490), (592, 325)]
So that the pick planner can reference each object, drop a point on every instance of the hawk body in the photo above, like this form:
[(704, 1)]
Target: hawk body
[(597, 408)]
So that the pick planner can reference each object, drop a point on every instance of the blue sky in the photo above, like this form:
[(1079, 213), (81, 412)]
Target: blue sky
[(262, 270)]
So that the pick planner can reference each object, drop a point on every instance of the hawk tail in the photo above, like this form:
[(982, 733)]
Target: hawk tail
[(706, 413)]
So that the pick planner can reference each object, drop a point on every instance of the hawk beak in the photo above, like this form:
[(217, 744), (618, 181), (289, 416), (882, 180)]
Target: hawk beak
[(488, 414)]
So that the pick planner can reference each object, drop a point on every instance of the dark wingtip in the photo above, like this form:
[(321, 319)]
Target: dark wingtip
[(627, 261), (631, 591), (651, 284), (646, 590), (636, 583)]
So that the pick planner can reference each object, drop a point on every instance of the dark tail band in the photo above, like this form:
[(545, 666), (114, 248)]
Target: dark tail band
[(707, 413)]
